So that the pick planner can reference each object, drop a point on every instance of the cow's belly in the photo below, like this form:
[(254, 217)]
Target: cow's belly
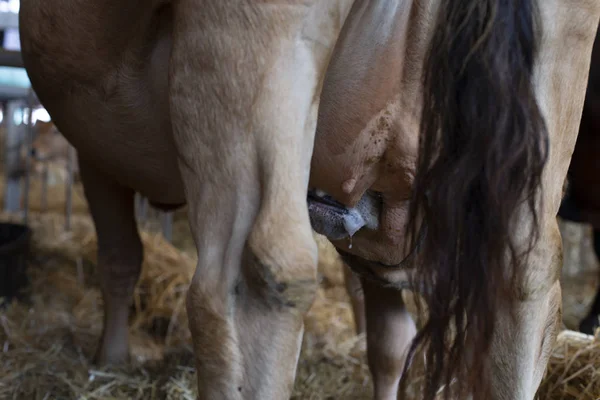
[(134, 147), (104, 82), (128, 137), (126, 134), (114, 110)]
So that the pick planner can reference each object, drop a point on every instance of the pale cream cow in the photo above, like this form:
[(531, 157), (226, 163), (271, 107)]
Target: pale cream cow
[(215, 104)]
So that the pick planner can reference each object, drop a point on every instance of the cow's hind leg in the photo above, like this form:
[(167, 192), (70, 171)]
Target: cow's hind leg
[(526, 328), (244, 131), (120, 256), (592, 321), (382, 314), (390, 330), (357, 299)]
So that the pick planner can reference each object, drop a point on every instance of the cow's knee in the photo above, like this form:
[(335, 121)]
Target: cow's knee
[(277, 267), (527, 324), (120, 266), (544, 264), (280, 268), (245, 307)]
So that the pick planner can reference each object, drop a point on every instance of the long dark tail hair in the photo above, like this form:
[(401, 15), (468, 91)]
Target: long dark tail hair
[(483, 147)]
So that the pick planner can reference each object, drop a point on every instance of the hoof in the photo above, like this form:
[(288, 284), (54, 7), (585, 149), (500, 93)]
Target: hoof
[(111, 356)]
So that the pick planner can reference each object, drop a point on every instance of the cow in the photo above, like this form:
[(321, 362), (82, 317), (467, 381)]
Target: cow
[(582, 201), (427, 139)]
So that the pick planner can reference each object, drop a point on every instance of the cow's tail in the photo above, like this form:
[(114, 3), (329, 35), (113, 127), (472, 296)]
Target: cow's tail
[(483, 146)]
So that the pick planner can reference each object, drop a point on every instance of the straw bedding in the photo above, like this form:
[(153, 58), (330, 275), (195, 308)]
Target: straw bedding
[(48, 338)]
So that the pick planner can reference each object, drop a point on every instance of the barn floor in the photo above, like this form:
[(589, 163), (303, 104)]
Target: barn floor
[(49, 336)]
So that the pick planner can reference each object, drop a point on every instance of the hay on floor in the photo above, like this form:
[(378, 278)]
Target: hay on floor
[(48, 339), (574, 368)]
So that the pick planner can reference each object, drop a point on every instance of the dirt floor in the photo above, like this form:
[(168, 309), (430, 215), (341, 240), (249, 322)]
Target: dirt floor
[(48, 338)]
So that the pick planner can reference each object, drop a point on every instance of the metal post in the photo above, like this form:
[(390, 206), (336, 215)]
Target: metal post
[(12, 190), (167, 225), (44, 199), (69, 187)]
